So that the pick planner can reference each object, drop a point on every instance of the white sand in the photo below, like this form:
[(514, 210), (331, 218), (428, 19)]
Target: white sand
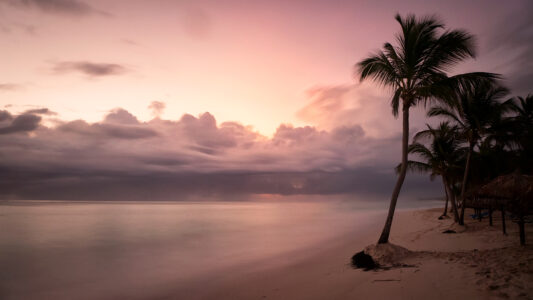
[(477, 263)]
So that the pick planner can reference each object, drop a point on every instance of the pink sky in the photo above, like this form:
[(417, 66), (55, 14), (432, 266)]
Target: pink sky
[(247, 61), (243, 87)]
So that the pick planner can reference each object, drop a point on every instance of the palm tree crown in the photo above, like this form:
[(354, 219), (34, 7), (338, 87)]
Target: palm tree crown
[(442, 155), (416, 68), (476, 110)]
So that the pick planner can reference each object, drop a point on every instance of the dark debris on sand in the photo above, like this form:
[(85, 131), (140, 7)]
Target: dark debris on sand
[(361, 260)]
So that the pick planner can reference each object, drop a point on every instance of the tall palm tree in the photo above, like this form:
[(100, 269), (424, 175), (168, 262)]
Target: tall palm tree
[(415, 69), (477, 107), (441, 158), (523, 131)]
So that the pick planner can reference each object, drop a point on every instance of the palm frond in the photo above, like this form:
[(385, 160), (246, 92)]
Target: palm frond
[(446, 113), (414, 166), (378, 68), (395, 102), (421, 150), (449, 48)]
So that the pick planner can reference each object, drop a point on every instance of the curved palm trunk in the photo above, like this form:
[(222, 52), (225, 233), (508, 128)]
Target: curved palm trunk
[(384, 238), (465, 179), (452, 200), (445, 213)]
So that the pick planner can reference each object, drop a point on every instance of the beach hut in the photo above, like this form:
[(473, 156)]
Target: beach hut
[(512, 193)]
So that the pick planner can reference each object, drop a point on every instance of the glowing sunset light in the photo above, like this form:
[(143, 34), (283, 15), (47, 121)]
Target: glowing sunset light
[(251, 71)]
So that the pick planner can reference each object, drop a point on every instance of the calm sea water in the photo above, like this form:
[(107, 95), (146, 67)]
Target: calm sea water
[(94, 250)]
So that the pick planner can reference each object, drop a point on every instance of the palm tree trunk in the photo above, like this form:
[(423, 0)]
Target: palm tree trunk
[(447, 197), (454, 204), (465, 179), (384, 238)]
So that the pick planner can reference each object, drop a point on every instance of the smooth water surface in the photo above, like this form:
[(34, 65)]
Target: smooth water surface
[(94, 250)]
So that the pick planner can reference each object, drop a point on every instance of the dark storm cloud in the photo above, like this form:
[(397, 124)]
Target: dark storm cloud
[(119, 124), (69, 7), (149, 187), (40, 111), (5, 116), (164, 159), (512, 38), (103, 130), (205, 132), (89, 68), (21, 123)]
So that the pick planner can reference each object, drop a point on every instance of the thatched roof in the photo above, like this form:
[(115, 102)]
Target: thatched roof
[(515, 191), (513, 186)]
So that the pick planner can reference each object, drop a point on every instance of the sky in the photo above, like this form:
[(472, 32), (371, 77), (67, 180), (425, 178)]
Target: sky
[(101, 98)]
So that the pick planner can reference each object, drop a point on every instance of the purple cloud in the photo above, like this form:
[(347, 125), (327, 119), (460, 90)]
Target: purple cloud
[(157, 108), (162, 159), (22, 123), (68, 7), (40, 111), (89, 68)]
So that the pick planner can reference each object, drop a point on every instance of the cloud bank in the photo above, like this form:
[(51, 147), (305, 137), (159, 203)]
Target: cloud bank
[(121, 157), (89, 68)]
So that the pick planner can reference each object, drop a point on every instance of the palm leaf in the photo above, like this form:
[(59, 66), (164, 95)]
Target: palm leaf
[(414, 166)]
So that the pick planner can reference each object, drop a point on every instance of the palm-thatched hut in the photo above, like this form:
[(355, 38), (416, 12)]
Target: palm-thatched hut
[(513, 193)]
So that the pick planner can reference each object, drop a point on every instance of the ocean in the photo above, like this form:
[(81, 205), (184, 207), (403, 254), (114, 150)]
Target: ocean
[(116, 250)]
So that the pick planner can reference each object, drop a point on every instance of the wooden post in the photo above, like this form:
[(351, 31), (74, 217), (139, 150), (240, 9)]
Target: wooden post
[(479, 214), (490, 215), (522, 231), (503, 221)]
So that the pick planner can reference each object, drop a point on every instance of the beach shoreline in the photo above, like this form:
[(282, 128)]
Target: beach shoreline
[(478, 263)]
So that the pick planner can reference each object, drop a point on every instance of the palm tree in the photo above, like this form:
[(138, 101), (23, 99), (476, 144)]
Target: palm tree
[(476, 109), (441, 158), (522, 134), (415, 69)]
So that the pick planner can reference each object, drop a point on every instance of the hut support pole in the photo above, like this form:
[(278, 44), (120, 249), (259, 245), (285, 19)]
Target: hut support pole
[(479, 210), (503, 221), (490, 216), (522, 231)]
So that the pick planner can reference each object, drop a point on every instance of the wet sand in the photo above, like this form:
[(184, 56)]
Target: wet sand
[(477, 262)]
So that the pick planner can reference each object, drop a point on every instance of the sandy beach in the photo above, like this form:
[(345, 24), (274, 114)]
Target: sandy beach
[(477, 262)]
